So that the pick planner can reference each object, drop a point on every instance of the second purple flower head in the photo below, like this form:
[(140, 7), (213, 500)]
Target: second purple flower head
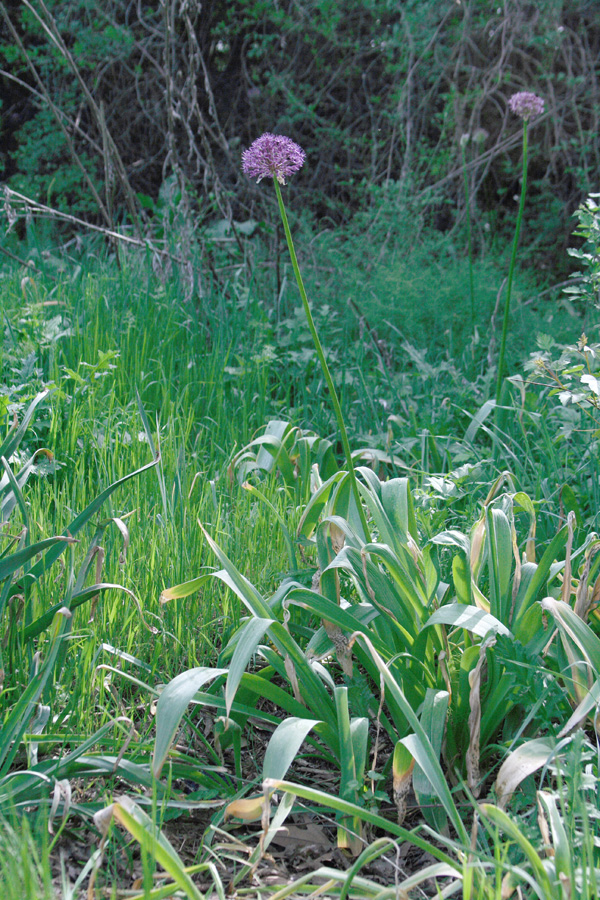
[(272, 155)]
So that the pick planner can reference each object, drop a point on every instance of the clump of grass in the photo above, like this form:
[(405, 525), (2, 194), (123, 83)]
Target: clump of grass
[(25, 872)]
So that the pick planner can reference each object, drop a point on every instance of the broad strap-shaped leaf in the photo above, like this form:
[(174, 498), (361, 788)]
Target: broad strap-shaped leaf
[(284, 745), (500, 563), (462, 579), (330, 801), (14, 496), (260, 685), (245, 590), (524, 761), (10, 564), (250, 636), (309, 682), (526, 503), (560, 842), (346, 761), (359, 733), (419, 744), (333, 532), (351, 739), (392, 527), (171, 706), (408, 581), (433, 719), (77, 599), (327, 609), (478, 419), (351, 620), (15, 437), (315, 506), (396, 499), (142, 828), (581, 646), (576, 629), (453, 538), (19, 715), (263, 689), (528, 570), (282, 435), (382, 592), (542, 572), (179, 591), (499, 700), (272, 454), (590, 703), (469, 617), (403, 766)]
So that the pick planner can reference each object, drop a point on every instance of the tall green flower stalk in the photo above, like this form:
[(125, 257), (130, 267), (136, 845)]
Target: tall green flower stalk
[(526, 105), (277, 156), (463, 149)]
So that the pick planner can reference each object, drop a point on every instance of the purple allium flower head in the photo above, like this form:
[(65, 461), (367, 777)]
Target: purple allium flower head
[(272, 155), (526, 104)]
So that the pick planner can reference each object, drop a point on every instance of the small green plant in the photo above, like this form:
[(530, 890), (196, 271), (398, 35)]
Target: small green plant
[(571, 371), (587, 284)]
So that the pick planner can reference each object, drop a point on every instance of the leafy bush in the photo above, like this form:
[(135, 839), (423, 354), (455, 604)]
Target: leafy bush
[(572, 374)]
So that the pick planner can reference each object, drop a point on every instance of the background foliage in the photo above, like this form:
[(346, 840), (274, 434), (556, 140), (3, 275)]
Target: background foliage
[(379, 93)]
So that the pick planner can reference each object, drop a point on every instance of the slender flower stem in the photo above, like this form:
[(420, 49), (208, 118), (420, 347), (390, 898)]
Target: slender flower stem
[(511, 270), (334, 398), (468, 210)]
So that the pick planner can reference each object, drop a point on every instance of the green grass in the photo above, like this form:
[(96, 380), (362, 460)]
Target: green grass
[(413, 284), (24, 866), (130, 333)]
